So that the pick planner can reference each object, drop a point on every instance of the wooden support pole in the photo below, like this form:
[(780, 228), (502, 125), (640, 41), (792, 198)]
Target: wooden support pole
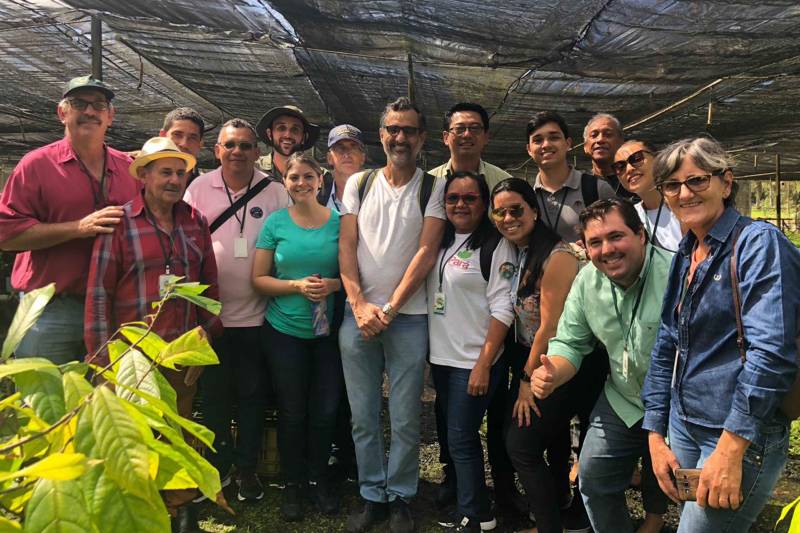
[(97, 47), (411, 91), (778, 189)]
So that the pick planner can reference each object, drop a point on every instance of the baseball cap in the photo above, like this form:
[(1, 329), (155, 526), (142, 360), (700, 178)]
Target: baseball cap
[(345, 132), (88, 82)]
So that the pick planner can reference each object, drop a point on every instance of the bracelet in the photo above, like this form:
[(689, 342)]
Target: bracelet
[(524, 376)]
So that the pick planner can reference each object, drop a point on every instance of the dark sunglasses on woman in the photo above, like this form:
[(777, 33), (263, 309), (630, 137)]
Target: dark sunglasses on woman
[(516, 211), (634, 160)]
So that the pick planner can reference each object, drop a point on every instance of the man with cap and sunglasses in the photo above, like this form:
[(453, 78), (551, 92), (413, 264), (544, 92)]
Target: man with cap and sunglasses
[(286, 130), (158, 235), (57, 199), (346, 156)]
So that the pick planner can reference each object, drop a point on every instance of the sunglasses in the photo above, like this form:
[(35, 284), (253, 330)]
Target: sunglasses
[(244, 146), (82, 105), (634, 160), (453, 198), (499, 213), (672, 188), (408, 131), (474, 129)]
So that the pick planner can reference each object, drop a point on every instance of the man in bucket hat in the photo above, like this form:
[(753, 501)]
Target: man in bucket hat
[(286, 130), (56, 200), (158, 235)]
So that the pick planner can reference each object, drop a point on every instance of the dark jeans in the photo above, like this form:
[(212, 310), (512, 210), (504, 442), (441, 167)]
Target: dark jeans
[(307, 378), (458, 422), (240, 379)]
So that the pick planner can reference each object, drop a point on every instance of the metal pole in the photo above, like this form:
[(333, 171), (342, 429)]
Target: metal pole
[(778, 191), (411, 95), (97, 47)]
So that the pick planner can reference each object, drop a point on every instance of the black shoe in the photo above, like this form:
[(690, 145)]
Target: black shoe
[(400, 519), (371, 514), (453, 521), (186, 521), (224, 481), (324, 497), (291, 503), (250, 488), (575, 519), (446, 492), (468, 526)]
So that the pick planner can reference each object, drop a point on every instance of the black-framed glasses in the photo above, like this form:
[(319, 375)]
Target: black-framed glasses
[(81, 105), (461, 129), (634, 160), (408, 131), (469, 198), (244, 146), (693, 183), (516, 211)]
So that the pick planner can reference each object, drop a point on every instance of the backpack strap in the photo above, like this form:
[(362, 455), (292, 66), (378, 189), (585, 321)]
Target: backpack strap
[(425, 190), (327, 186), (589, 189), (246, 197), (487, 252), (365, 181), (737, 300)]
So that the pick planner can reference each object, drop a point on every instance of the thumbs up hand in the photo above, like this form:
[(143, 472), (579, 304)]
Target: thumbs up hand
[(543, 380)]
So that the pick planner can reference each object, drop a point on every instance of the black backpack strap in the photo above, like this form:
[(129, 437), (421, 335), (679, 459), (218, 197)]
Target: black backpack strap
[(589, 189), (327, 186), (487, 252), (425, 190), (235, 206), (365, 181)]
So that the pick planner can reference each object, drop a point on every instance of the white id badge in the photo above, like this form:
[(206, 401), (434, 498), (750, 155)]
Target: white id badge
[(625, 364), (439, 303), (240, 247), (163, 279)]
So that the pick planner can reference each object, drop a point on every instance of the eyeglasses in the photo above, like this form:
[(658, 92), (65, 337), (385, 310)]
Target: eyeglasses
[(81, 104), (693, 183), (453, 198), (634, 160), (408, 131), (516, 211), (243, 146), (474, 129)]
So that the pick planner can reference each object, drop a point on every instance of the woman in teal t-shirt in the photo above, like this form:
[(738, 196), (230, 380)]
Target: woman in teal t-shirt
[(302, 243)]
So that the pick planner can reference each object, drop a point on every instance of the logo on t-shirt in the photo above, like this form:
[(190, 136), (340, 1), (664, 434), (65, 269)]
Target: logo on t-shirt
[(464, 254), (256, 212), (507, 270)]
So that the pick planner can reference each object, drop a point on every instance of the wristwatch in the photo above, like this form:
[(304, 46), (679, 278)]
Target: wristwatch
[(388, 310), (524, 376)]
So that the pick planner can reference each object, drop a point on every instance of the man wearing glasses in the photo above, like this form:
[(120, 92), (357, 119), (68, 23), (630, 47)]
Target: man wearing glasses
[(346, 156), (236, 199), (57, 199), (287, 130), (602, 137), (466, 133), (389, 240)]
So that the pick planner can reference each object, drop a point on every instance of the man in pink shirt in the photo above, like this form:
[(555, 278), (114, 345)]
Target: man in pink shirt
[(57, 199), (237, 199)]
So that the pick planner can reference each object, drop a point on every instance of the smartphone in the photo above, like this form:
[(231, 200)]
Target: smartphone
[(686, 480)]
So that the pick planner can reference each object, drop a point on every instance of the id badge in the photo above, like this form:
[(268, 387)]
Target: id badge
[(625, 357), (240, 247), (163, 279), (439, 303)]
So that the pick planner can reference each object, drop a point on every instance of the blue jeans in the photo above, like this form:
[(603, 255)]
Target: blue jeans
[(58, 334), (400, 350), (462, 415), (761, 467), (610, 453)]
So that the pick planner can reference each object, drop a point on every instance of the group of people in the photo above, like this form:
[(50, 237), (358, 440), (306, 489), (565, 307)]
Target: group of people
[(634, 299)]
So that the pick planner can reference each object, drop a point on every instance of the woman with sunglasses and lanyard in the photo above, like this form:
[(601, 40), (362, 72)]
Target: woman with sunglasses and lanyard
[(633, 164), (546, 268), (725, 355), (469, 313)]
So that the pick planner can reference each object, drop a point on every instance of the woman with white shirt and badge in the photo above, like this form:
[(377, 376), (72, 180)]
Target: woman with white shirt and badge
[(633, 164), (469, 313)]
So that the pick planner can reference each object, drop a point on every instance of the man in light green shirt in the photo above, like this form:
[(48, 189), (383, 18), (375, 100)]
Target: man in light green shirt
[(616, 301)]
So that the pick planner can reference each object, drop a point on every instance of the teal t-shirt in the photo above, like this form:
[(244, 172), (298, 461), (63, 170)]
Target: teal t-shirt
[(299, 252)]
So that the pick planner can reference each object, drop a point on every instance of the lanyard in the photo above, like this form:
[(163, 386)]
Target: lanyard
[(244, 207), (166, 251), (443, 262), (554, 227), (99, 198), (655, 226), (627, 334)]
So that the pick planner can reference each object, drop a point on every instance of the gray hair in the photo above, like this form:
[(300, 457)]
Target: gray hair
[(707, 154), (614, 120), (403, 104), (238, 123)]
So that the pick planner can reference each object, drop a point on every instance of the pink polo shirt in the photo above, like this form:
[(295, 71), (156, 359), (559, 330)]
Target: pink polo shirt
[(242, 307), (49, 185)]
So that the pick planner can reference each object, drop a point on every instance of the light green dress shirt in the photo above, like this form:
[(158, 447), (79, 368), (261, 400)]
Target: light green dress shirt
[(589, 316), (493, 174)]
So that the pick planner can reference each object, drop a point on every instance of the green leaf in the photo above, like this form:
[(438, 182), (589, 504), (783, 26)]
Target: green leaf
[(119, 442), (15, 366), (57, 507), (43, 391), (192, 287), (166, 391), (28, 312), (136, 371), (9, 526), (85, 442), (88, 483), (190, 349), (74, 366), (212, 306), (171, 475), (119, 510), (15, 500), (150, 343), (56, 466), (76, 388)]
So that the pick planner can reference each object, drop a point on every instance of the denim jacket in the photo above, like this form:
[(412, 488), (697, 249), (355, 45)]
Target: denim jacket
[(708, 385)]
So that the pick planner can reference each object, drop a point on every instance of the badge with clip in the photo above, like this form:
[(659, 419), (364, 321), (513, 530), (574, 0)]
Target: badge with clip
[(439, 303)]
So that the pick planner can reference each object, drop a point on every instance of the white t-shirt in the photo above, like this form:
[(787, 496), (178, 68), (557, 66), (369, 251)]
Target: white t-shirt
[(389, 228), (668, 233), (457, 336)]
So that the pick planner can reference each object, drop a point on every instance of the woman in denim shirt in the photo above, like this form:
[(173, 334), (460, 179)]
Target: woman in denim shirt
[(723, 413)]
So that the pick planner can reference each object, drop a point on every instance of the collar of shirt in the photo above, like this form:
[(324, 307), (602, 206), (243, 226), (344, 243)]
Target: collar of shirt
[(65, 153), (218, 183), (573, 180), (719, 232)]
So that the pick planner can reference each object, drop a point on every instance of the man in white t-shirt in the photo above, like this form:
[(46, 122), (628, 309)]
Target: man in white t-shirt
[(391, 227)]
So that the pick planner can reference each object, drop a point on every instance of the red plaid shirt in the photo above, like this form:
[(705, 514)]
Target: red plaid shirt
[(124, 272)]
